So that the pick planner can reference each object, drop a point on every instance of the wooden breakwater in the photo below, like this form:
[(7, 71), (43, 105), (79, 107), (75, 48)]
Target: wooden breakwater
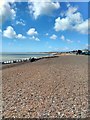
[(12, 63)]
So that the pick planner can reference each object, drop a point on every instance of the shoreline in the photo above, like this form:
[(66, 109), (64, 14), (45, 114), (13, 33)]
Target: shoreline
[(28, 59), (21, 62), (36, 58), (12, 63)]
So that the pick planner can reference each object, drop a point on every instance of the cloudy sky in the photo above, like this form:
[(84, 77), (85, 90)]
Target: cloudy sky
[(43, 26)]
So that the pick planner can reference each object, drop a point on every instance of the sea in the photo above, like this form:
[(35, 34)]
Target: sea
[(17, 56)]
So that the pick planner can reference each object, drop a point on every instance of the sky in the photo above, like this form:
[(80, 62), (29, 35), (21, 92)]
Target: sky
[(43, 26)]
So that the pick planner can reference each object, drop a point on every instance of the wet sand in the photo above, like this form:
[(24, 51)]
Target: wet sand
[(53, 87)]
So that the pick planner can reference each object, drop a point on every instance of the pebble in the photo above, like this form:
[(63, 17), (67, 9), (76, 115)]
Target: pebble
[(35, 95)]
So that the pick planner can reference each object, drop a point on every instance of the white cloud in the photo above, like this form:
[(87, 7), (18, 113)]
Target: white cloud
[(82, 27), (65, 39), (42, 7), (69, 41), (62, 13), (61, 24), (68, 4), (20, 23), (37, 39), (71, 10), (73, 20), (20, 36), (62, 37), (9, 32), (34, 38), (53, 37), (6, 12), (32, 31)]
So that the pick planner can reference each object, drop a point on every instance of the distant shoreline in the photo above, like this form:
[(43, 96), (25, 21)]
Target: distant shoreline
[(25, 61), (8, 65), (10, 57)]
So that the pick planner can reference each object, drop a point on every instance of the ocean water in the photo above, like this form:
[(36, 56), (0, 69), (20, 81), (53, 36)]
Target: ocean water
[(16, 56)]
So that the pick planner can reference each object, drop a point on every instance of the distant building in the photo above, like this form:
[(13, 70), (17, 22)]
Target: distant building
[(86, 52)]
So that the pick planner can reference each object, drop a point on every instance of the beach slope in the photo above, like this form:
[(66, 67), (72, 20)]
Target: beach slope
[(52, 87)]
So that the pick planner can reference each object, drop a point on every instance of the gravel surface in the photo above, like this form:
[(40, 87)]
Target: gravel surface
[(53, 87)]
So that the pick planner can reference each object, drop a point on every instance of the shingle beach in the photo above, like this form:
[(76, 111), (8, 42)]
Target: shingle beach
[(53, 87)]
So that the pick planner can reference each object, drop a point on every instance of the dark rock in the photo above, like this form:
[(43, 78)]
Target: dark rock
[(32, 59)]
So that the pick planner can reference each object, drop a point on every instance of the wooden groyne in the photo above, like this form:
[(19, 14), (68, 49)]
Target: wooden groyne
[(12, 63)]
